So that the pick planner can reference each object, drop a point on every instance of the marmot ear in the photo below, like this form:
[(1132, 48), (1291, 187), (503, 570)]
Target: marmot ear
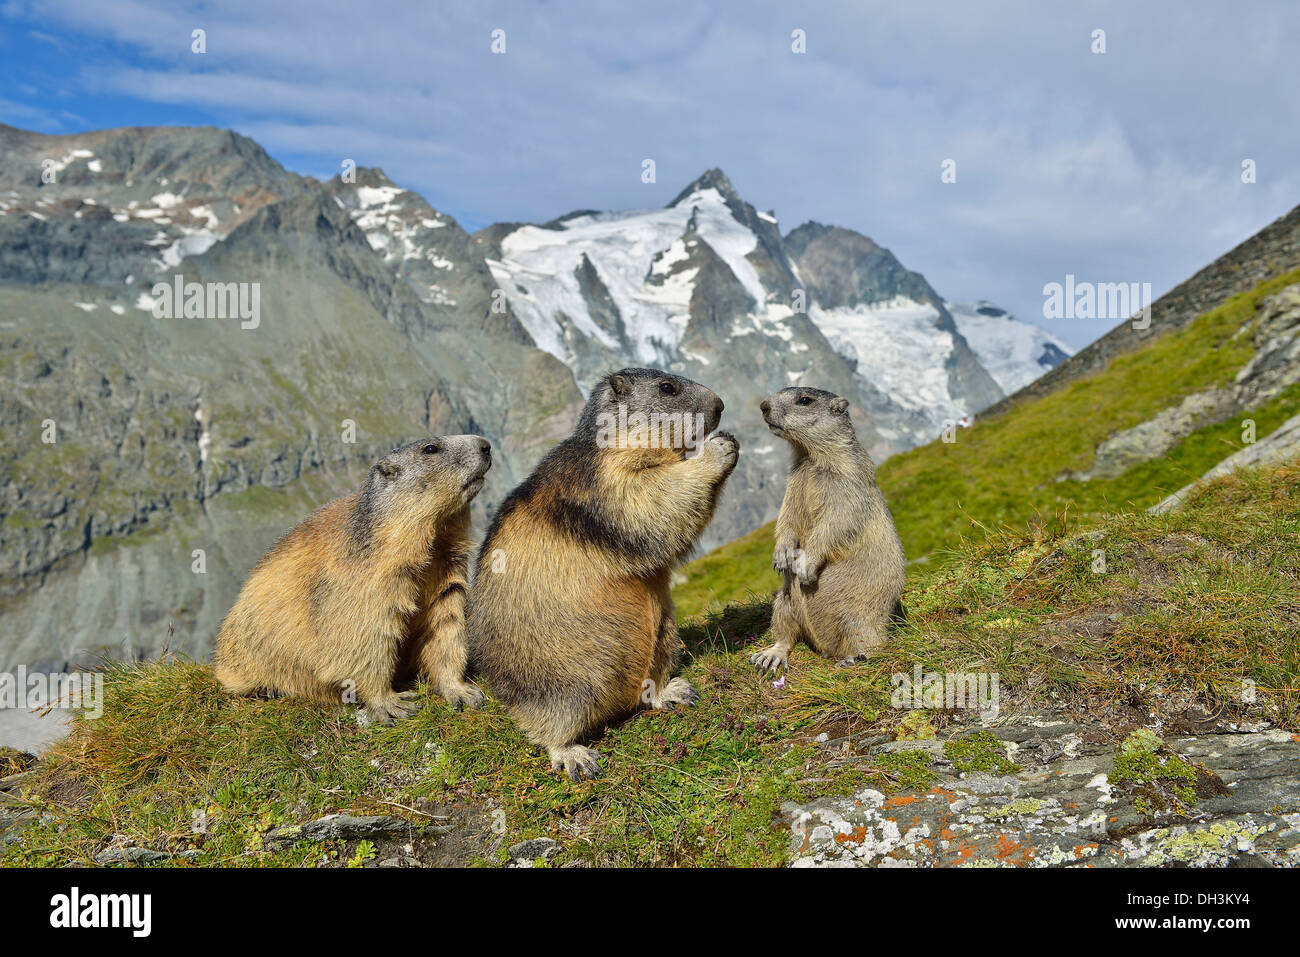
[(839, 405), (619, 384)]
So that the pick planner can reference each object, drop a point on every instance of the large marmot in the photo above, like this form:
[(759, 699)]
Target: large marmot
[(836, 544), (571, 621), (368, 591)]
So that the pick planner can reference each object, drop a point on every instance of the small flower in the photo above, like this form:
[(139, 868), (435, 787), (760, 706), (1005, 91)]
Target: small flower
[(779, 682)]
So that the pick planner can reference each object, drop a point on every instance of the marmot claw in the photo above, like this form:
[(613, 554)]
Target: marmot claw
[(784, 557), (679, 691), (465, 696), (400, 705), (769, 661), (576, 761)]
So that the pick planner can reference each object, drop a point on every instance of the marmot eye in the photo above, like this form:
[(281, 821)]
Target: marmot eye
[(804, 400), (668, 388), (430, 449)]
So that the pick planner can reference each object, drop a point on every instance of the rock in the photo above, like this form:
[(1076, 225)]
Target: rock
[(1061, 809), (1281, 445), (347, 827), (1154, 437), (539, 848), (13, 780), (140, 855), (13, 823)]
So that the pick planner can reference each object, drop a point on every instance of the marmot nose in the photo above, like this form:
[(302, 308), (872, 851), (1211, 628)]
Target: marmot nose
[(765, 406), (485, 448)]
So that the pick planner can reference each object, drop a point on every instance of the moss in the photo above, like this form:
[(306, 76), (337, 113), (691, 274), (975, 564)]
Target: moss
[(1159, 778), (979, 751), (907, 770)]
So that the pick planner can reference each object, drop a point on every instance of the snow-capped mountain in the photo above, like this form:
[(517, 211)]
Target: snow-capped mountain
[(597, 289), (1015, 353)]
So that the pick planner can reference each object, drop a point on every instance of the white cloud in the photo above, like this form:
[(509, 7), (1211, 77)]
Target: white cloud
[(1114, 167)]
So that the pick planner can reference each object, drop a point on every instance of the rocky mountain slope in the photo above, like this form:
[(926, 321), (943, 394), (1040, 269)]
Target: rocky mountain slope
[(1272, 251), (151, 460)]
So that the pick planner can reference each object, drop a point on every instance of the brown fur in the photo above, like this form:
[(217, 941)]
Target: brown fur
[(836, 546), (368, 591), (571, 620)]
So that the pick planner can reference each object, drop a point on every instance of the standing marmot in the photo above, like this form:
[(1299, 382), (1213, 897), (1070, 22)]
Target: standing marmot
[(367, 591), (835, 540), (571, 621)]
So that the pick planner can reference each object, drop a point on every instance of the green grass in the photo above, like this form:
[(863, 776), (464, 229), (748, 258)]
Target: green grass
[(1189, 605), (1013, 469)]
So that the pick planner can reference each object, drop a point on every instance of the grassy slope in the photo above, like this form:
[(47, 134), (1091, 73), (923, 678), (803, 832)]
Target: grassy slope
[(1007, 470), (1161, 626)]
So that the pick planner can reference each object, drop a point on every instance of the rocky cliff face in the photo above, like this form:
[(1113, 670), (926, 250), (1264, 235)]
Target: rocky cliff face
[(150, 460)]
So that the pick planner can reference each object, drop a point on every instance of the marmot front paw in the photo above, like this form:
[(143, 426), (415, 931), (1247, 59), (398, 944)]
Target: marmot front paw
[(805, 568), (463, 696), (677, 692), (724, 447), (785, 556), (770, 661), (576, 761), (400, 705)]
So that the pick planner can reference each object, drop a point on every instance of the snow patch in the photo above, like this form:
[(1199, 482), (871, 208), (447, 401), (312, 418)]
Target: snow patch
[(195, 244), (1015, 353), (59, 165), (898, 350)]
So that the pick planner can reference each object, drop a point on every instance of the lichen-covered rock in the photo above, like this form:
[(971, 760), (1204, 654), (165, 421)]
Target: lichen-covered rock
[(539, 848), (344, 826), (1062, 808), (140, 855)]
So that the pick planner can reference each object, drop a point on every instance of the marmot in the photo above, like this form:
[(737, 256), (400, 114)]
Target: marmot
[(571, 620), (368, 591), (836, 544)]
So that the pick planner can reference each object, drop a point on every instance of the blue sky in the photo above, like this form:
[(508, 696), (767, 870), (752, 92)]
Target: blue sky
[(1115, 167)]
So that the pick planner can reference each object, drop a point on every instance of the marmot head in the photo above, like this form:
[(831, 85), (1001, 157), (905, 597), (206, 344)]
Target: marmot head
[(428, 478), (649, 409), (807, 418)]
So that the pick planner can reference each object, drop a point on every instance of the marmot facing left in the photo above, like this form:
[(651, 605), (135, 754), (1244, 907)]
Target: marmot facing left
[(836, 545), (369, 590), (571, 621)]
